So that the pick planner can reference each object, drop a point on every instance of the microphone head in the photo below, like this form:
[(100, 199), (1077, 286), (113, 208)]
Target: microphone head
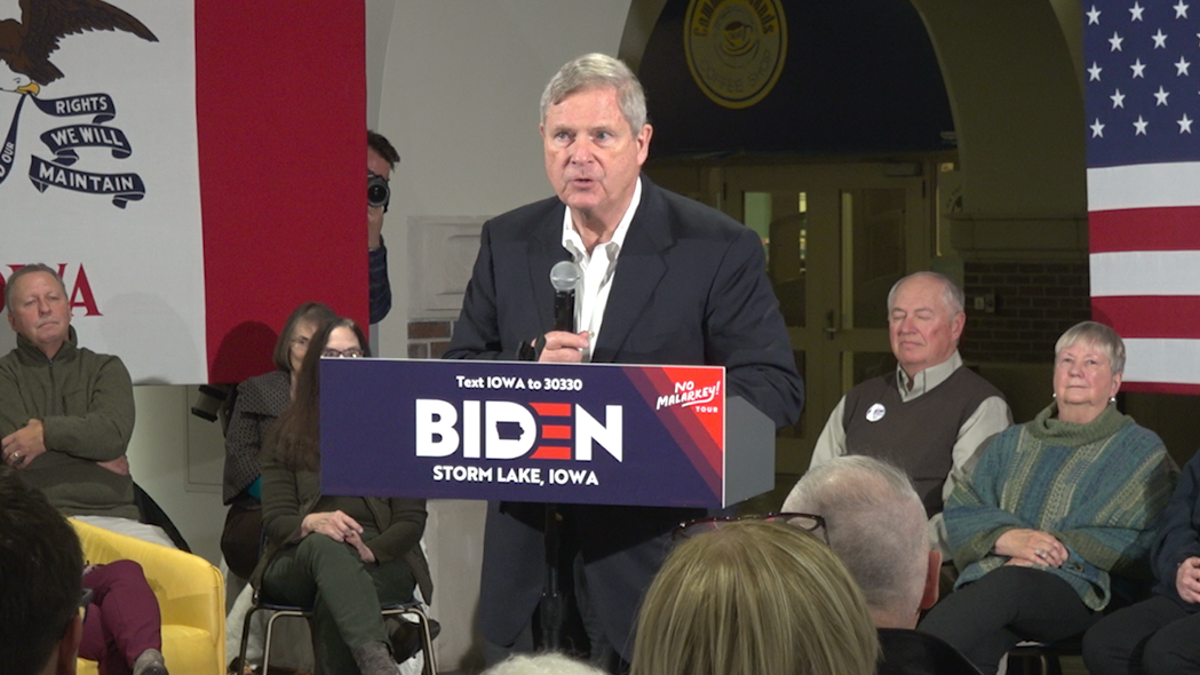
[(564, 275)]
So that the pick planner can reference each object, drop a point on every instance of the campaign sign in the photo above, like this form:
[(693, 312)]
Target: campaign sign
[(587, 434)]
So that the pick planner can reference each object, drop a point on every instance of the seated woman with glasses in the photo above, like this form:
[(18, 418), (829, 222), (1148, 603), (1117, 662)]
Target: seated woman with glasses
[(748, 597), (344, 557), (1059, 513), (260, 401)]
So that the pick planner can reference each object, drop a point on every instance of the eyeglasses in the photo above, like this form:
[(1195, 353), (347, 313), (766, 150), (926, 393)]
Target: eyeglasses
[(351, 353), (804, 521)]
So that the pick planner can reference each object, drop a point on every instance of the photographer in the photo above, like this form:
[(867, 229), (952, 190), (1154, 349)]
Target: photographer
[(381, 159)]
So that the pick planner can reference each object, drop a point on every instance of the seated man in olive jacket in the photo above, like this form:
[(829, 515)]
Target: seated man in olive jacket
[(66, 413)]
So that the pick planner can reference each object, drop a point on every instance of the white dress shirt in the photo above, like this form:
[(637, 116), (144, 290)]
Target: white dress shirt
[(598, 269)]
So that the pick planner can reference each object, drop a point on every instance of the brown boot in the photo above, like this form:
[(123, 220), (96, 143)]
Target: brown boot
[(375, 658)]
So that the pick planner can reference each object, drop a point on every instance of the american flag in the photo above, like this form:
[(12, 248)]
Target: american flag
[(1142, 74)]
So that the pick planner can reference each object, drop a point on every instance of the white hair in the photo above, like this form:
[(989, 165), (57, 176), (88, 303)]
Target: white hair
[(952, 296), (546, 663), (875, 523), (599, 70)]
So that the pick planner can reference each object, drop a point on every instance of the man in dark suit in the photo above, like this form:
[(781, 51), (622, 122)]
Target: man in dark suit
[(665, 280)]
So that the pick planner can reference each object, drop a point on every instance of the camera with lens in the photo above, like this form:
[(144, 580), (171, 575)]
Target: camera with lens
[(378, 192)]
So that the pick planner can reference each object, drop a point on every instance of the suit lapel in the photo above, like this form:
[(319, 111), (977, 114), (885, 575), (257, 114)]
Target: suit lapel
[(640, 267), (545, 249)]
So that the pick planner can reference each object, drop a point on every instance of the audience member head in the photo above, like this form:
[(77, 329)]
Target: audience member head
[(547, 663), (293, 341), (41, 577), (875, 522), (295, 439), (925, 320), (1089, 360), (595, 71), (754, 597), (38, 307)]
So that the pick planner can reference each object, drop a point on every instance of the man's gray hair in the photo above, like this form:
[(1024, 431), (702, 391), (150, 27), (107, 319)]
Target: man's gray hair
[(29, 269), (876, 524), (1097, 335), (592, 71), (953, 298), (547, 663)]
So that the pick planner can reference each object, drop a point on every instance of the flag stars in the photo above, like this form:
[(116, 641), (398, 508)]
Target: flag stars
[(1139, 68), (1098, 129), (1185, 124), (1135, 12), (1181, 67), (1160, 39), (1118, 99), (1116, 41), (1181, 10), (1093, 16), (1094, 72), (1139, 127), (1160, 96)]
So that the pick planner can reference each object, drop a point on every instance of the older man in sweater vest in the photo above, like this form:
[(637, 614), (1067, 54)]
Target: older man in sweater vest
[(930, 416)]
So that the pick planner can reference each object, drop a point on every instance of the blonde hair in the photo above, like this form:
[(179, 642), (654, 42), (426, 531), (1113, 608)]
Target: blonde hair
[(754, 597)]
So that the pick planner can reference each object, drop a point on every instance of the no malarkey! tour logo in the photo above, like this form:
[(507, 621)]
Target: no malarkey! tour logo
[(25, 68)]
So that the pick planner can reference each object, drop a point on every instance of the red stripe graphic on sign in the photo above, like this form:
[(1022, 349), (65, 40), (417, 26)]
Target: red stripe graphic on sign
[(552, 409), (556, 431), (551, 452)]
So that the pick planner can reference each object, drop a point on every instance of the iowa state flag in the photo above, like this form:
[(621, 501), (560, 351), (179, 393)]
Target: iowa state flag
[(193, 168)]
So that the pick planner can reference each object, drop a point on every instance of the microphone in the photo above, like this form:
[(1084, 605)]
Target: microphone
[(564, 276)]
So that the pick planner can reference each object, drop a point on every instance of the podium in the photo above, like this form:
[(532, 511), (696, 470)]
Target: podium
[(535, 432)]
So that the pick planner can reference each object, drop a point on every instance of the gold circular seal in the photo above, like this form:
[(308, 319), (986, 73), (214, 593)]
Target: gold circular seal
[(735, 48)]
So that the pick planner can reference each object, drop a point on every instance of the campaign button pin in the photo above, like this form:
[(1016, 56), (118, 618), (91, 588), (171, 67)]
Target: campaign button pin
[(876, 412)]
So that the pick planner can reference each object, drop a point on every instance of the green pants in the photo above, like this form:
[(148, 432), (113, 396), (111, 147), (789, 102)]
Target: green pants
[(345, 595)]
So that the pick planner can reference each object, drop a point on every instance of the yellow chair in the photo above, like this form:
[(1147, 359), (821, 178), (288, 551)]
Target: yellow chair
[(190, 592)]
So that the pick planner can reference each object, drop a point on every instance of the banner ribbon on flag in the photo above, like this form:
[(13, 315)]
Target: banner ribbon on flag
[(63, 141)]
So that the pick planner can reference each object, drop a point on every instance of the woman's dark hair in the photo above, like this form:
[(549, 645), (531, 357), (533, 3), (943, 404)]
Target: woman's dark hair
[(312, 312), (295, 439)]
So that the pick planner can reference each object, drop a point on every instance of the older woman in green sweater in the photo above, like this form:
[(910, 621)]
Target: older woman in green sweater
[(1058, 514)]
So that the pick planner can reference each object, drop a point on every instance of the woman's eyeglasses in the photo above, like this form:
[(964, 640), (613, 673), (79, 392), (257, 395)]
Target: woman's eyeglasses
[(351, 353), (805, 521)]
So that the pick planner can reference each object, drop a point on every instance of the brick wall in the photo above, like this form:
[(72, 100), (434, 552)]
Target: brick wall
[(1034, 303), (428, 339)]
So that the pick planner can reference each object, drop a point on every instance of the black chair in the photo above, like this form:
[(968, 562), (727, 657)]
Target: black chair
[(1045, 654), (279, 611), (150, 513)]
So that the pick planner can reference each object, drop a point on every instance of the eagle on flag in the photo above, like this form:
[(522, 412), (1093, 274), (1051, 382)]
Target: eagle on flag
[(26, 45)]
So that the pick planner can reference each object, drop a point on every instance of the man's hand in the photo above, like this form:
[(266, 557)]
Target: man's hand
[(365, 554), (374, 226), (563, 347), (119, 466), (1187, 580), (333, 524), (1031, 547), (21, 446)]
